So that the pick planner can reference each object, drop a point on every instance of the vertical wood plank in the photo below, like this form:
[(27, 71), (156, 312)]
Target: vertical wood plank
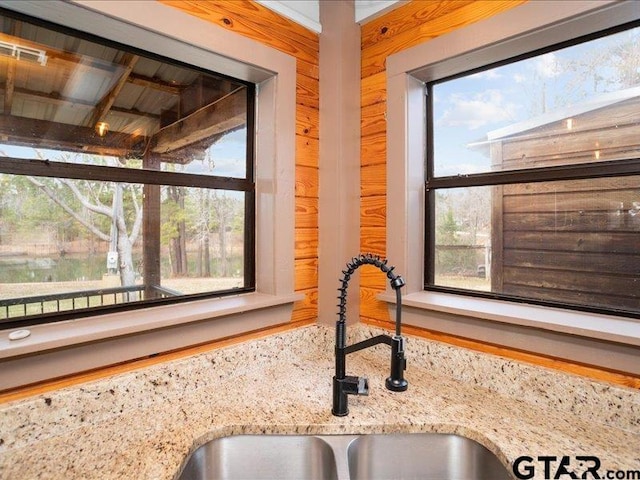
[(307, 151), (306, 182), (496, 268), (373, 211), (306, 274), (373, 180), (373, 149), (306, 212), (373, 119)]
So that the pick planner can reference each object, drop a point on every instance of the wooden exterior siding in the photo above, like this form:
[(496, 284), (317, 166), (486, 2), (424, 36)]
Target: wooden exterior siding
[(252, 20), (570, 241), (408, 25)]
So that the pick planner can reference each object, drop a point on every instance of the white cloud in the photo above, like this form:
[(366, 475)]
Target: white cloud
[(459, 168), (481, 109), (519, 78), (548, 65), (487, 75)]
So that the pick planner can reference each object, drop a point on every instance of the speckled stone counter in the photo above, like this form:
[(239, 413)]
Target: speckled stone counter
[(143, 424)]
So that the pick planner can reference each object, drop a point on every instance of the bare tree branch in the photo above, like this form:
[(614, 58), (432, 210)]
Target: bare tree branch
[(68, 209), (101, 209), (95, 191)]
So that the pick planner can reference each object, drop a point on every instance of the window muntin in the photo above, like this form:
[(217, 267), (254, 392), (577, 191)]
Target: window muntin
[(96, 140), (226, 156), (498, 224)]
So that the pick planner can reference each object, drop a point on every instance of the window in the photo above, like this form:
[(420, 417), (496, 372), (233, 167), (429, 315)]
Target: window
[(60, 348), (596, 338), (127, 178), (533, 177)]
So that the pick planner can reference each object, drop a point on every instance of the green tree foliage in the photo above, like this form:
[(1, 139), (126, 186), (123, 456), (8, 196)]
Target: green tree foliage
[(461, 215)]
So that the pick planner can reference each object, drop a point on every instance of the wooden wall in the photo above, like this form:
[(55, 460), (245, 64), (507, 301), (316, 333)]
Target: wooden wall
[(409, 25), (570, 241), (261, 24)]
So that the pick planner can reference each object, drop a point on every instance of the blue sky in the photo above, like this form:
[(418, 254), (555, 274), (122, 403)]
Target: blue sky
[(467, 108), (228, 155)]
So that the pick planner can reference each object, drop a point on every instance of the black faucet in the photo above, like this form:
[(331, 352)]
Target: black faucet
[(344, 385)]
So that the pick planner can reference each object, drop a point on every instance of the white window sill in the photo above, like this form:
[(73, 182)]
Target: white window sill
[(591, 325), (83, 330)]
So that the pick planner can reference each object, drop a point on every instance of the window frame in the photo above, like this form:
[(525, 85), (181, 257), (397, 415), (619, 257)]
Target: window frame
[(582, 336), (564, 172), (57, 349), (53, 169)]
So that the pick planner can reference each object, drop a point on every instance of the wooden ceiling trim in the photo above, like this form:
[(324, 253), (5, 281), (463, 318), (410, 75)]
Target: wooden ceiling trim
[(11, 73), (155, 84), (44, 134), (55, 98), (128, 61), (9, 86), (254, 21), (222, 115)]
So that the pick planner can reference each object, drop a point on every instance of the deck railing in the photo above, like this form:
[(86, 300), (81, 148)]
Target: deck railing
[(58, 302)]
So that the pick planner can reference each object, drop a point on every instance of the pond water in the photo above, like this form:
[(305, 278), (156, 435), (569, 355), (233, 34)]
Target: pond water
[(77, 268), (46, 269)]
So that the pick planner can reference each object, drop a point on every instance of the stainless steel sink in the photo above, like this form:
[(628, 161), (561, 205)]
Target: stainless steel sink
[(256, 457), (343, 457), (423, 456)]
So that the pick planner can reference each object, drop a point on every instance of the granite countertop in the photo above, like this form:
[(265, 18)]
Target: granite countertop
[(143, 424)]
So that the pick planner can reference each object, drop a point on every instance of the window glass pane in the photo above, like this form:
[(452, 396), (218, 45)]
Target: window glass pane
[(202, 239), (73, 236), (574, 105), (463, 238), (73, 244), (92, 102), (574, 242), (226, 157)]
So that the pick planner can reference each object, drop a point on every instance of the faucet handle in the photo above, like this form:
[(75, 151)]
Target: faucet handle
[(348, 385), (354, 385), (363, 386)]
